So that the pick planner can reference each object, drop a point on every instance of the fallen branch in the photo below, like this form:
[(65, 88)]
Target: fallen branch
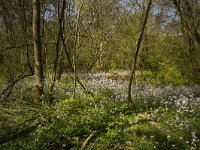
[(88, 139)]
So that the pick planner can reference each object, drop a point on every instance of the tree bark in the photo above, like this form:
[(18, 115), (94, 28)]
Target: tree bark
[(132, 76), (37, 52)]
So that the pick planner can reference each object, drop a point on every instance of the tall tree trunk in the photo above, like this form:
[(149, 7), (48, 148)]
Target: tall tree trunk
[(132, 76), (37, 95)]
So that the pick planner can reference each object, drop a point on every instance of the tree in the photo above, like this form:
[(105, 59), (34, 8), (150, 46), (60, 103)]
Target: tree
[(61, 20), (37, 52), (137, 51), (188, 12)]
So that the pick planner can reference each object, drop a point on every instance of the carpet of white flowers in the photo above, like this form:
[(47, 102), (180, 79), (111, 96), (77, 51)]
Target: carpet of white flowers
[(160, 116), (184, 100)]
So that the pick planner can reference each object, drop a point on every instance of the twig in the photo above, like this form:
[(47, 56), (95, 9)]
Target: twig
[(88, 139)]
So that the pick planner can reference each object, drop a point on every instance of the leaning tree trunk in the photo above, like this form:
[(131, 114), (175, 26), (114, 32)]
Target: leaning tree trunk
[(137, 52), (37, 94)]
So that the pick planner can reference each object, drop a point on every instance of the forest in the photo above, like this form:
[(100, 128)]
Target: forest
[(100, 74)]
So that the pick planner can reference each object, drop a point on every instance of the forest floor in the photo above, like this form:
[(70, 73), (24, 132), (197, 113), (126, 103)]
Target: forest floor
[(161, 117)]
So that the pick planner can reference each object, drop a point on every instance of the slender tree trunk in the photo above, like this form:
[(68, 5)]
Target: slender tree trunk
[(75, 46), (25, 35), (37, 95), (60, 32), (71, 65), (132, 76), (69, 59), (60, 70)]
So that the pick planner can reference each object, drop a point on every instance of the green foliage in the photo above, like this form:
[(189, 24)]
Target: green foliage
[(166, 75), (147, 123), (171, 75)]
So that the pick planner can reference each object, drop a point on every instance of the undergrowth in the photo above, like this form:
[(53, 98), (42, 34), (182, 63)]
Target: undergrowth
[(102, 121)]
